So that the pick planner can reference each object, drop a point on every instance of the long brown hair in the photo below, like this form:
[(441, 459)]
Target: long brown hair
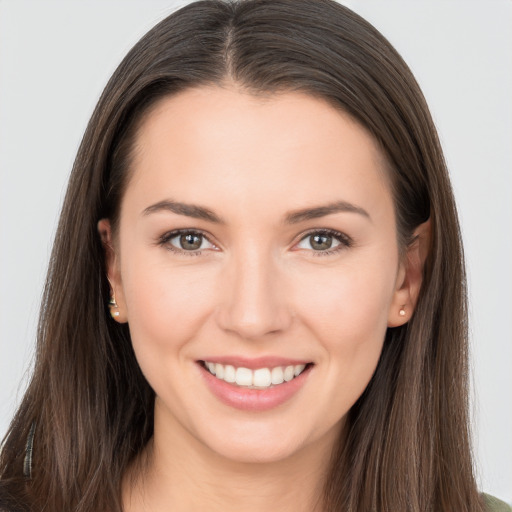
[(88, 403)]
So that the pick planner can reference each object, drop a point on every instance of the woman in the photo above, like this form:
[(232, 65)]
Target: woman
[(312, 354)]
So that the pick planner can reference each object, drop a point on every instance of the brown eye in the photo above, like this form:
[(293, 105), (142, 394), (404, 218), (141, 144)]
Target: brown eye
[(321, 242), (186, 242), (324, 242), (190, 241)]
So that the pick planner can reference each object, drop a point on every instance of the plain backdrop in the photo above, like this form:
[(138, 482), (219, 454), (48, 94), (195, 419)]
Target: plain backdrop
[(55, 58)]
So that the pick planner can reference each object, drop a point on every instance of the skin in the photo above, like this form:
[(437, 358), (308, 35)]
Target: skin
[(258, 288)]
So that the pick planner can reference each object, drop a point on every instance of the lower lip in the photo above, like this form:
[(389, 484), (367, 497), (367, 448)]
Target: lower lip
[(253, 399)]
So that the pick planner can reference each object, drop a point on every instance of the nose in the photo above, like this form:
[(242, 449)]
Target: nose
[(253, 298)]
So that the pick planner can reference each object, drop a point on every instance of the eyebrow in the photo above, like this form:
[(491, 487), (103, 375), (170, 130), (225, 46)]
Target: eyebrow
[(189, 210), (321, 211), (293, 217)]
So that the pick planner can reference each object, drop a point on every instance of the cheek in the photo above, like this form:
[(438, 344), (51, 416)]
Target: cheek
[(166, 306), (348, 301), (347, 311)]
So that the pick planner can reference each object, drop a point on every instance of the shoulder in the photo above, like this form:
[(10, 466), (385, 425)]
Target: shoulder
[(494, 504)]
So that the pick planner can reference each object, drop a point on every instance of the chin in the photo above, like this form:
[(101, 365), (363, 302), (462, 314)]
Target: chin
[(264, 452), (260, 442)]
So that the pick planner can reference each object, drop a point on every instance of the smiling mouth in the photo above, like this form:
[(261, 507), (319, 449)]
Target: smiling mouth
[(260, 378)]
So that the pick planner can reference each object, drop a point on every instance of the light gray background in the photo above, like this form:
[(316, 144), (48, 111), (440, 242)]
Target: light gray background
[(55, 58)]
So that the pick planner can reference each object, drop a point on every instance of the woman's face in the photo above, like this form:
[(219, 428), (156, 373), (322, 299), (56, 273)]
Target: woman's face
[(256, 235)]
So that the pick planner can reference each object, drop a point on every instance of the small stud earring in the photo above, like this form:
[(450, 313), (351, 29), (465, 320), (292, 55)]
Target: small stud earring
[(112, 304), (402, 311)]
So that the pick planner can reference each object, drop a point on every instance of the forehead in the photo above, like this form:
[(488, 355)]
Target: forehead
[(223, 145)]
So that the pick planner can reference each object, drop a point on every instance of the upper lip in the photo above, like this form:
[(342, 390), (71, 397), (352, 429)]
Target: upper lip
[(257, 362)]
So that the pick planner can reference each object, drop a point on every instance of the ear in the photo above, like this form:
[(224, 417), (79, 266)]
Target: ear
[(117, 304), (410, 277)]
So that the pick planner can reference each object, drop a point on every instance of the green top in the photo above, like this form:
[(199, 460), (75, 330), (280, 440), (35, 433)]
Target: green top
[(495, 505)]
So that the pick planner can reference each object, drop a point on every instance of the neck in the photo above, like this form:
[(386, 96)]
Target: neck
[(180, 473)]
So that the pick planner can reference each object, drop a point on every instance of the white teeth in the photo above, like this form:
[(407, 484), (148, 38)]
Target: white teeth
[(288, 373), (277, 375), (260, 378), (243, 377), (229, 373), (219, 371), (298, 369)]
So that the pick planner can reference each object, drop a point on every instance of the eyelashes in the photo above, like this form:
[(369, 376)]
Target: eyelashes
[(191, 242), (325, 241)]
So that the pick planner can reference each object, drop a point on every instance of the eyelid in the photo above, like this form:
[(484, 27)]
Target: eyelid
[(164, 240), (345, 240)]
